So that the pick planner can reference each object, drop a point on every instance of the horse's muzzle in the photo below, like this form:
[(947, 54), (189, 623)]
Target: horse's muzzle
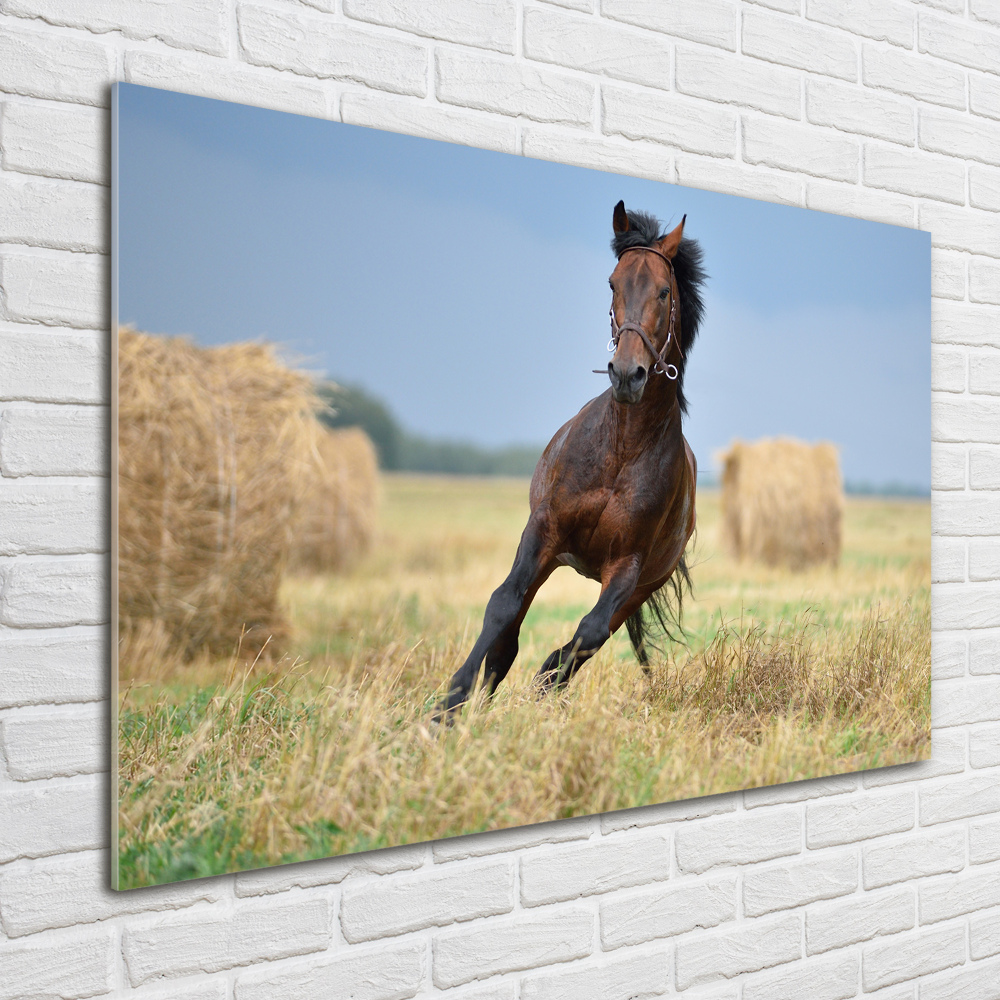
[(627, 385)]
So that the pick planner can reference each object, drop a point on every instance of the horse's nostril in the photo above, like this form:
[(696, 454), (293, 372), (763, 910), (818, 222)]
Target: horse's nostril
[(639, 374)]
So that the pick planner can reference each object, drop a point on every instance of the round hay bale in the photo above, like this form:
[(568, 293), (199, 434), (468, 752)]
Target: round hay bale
[(337, 516), (212, 448), (782, 502)]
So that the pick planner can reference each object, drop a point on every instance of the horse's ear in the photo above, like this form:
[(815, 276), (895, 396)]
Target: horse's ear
[(669, 244), (620, 221)]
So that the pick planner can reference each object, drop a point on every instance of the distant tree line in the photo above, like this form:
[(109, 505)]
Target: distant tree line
[(350, 406)]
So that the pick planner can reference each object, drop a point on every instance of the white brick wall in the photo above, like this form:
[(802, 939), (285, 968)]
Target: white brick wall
[(887, 882)]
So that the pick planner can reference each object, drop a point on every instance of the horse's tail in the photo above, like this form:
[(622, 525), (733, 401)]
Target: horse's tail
[(665, 607)]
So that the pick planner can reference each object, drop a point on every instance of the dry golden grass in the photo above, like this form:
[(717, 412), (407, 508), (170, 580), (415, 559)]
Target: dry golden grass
[(786, 676)]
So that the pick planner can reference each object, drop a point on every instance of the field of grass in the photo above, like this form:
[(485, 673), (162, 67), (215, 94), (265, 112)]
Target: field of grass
[(329, 748)]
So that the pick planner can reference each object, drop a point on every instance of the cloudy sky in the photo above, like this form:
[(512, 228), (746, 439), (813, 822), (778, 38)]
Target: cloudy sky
[(468, 289)]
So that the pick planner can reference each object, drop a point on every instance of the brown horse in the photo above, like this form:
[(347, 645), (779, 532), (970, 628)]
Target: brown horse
[(613, 493)]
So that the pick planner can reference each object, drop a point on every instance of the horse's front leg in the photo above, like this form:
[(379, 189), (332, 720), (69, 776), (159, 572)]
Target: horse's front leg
[(504, 613), (617, 588)]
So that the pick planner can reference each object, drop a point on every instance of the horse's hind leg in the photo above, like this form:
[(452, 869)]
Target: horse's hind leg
[(595, 628), (504, 613)]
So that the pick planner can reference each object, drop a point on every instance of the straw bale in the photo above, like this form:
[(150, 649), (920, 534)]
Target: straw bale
[(336, 520), (782, 502), (212, 448)]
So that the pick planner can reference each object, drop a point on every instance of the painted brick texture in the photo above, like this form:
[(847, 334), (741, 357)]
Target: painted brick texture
[(885, 885)]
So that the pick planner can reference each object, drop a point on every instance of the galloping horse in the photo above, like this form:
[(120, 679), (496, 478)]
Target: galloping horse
[(613, 493)]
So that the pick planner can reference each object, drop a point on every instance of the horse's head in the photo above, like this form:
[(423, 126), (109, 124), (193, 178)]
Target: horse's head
[(644, 312)]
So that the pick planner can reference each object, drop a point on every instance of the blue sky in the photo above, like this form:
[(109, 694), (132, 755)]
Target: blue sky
[(468, 289)]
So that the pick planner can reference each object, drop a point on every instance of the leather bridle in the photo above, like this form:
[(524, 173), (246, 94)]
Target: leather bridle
[(660, 363)]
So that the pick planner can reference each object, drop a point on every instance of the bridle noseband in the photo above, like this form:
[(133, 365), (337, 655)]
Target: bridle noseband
[(660, 363)]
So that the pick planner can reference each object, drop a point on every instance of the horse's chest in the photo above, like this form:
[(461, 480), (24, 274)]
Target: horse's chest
[(575, 562)]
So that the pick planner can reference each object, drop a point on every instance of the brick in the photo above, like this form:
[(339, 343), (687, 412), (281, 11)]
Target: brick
[(205, 76), (984, 560), (984, 469), (984, 842), (948, 369), (59, 67), (668, 812), (57, 367), (948, 464), (432, 121), (960, 42), (755, 945), (709, 21), (948, 560), (974, 605), (957, 417), (984, 936), (877, 19), (636, 976), (984, 189), (913, 857), (855, 109), (948, 656), (799, 44), (223, 939), (596, 47), (56, 817), (512, 944), (61, 289), (744, 838), (498, 841), (64, 965), (860, 918), (823, 979), (322, 47), (710, 174), (984, 95), (965, 702), (53, 441), (800, 148), (859, 203), (47, 592), (53, 141), (985, 10), (958, 135), (914, 173), (583, 149), (984, 653), (383, 973), (329, 871), (666, 911), (799, 791), (52, 518), (973, 982), (56, 744), (860, 817), (950, 896), (947, 275), (958, 323), (984, 280), (788, 6), (487, 26), (512, 88), (73, 890), (412, 902), (732, 80), (781, 887), (912, 75), (46, 668), (984, 746), (961, 228), (549, 875), (948, 758), (193, 24), (909, 956)]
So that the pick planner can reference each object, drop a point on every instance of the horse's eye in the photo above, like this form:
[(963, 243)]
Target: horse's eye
[(664, 293)]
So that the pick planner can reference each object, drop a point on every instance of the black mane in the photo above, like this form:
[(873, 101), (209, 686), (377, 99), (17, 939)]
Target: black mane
[(644, 230)]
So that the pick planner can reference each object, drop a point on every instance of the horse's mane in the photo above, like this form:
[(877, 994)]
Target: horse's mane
[(643, 231)]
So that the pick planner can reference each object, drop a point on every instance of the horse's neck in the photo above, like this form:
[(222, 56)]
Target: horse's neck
[(653, 422)]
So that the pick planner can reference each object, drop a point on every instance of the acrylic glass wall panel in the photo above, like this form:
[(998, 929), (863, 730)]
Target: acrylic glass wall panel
[(340, 352)]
